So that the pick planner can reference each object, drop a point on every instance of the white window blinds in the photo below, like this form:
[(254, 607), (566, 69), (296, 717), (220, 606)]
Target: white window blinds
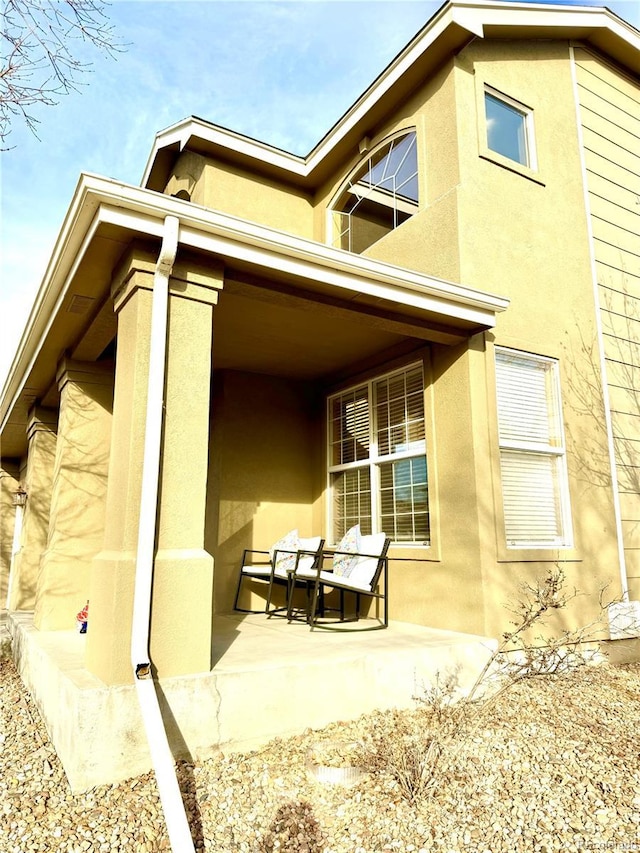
[(532, 453), (377, 458)]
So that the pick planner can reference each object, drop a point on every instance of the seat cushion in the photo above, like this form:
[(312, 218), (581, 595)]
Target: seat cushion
[(260, 570), (347, 583)]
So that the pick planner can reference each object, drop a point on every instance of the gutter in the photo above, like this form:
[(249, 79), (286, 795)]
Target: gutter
[(162, 758)]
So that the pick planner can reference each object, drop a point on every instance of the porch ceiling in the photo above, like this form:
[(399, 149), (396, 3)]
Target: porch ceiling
[(284, 340), (267, 327)]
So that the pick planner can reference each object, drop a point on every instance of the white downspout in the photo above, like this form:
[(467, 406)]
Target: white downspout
[(163, 763)]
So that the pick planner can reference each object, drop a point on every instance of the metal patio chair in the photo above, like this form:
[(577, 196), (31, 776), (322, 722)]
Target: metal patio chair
[(364, 572), (276, 565)]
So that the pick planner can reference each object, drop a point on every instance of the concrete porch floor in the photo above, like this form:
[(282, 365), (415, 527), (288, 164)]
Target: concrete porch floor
[(269, 679)]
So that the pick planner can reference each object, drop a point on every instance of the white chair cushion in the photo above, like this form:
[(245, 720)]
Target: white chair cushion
[(305, 562), (365, 567), (261, 569), (350, 582)]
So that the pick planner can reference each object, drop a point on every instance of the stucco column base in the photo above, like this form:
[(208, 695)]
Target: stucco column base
[(182, 621), (108, 636), (180, 615)]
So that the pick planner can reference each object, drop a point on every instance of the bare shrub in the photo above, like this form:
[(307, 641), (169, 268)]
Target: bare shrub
[(412, 749)]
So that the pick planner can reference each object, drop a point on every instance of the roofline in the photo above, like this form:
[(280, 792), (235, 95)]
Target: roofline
[(470, 17), (99, 200)]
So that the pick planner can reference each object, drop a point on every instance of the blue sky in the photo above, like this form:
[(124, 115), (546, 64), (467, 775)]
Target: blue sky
[(282, 71)]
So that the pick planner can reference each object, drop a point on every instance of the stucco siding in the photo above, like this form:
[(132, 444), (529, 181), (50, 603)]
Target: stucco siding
[(261, 471), (610, 116)]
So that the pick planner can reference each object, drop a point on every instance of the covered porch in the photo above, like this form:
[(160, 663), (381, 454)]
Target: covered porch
[(269, 679), (259, 327)]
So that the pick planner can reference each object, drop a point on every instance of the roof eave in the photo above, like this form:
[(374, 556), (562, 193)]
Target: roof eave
[(104, 201), (454, 24)]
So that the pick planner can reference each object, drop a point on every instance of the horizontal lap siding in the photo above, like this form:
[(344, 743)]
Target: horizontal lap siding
[(610, 117)]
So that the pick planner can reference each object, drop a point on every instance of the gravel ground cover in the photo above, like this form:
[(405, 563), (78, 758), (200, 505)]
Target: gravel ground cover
[(552, 765)]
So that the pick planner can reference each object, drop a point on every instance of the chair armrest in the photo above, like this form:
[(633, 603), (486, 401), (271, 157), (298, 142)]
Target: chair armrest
[(353, 554)]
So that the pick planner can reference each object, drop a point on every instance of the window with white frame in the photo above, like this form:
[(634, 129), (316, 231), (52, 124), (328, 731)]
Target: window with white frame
[(380, 194), (509, 128), (377, 458), (532, 451)]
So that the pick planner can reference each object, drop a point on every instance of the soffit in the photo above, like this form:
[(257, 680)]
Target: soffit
[(274, 327), (77, 320)]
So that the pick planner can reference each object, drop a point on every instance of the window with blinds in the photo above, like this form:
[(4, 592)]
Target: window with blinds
[(532, 452), (377, 458)]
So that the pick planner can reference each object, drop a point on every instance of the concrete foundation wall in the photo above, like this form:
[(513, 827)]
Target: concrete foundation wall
[(98, 731)]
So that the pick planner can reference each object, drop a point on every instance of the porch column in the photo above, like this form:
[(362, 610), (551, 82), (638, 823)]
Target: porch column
[(9, 480), (182, 603), (76, 521), (38, 479)]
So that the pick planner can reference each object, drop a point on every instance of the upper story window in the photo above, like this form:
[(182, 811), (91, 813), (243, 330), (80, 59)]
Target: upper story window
[(509, 128), (380, 194)]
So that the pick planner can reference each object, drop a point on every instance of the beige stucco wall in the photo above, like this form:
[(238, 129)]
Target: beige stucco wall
[(263, 472), (525, 234), (220, 186), (428, 242), (522, 233), (519, 232)]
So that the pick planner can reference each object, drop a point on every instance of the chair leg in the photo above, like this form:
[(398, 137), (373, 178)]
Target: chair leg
[(316, 594), (268, 604), (240, 577), (386, 593), (235, 601), (290, 590)]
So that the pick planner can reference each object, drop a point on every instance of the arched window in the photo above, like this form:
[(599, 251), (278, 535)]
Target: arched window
[(380, 194)]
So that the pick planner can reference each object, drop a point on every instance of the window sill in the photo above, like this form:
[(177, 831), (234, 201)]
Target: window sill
[(512, 166), (539, 555)]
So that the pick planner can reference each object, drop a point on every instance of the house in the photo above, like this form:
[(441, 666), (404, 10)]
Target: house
[(429, 325)]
